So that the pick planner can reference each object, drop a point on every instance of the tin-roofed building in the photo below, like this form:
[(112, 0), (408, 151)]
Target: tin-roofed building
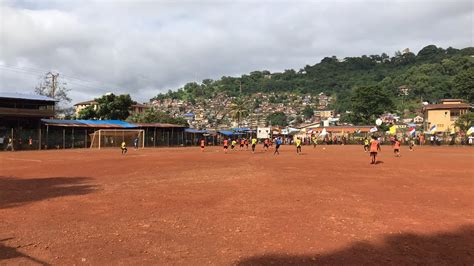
[(20, 118), (444, 114)]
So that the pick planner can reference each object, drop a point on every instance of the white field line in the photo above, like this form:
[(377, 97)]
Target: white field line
[(26, 160)]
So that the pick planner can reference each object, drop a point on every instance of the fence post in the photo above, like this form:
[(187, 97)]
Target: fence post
[(64, 138), (39, 138), (47, 136)]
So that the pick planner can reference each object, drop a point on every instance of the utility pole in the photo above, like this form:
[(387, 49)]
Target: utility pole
[(54, 78)]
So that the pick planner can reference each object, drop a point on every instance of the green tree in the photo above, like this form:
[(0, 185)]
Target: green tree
[(368, 103), (464, 85), (239, 110), (114, 107), (87, 113), (277, 119), (154, 116), (465, 121), (308, 112)]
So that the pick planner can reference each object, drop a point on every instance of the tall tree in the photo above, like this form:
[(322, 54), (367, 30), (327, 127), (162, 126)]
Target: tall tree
[(368, 103), (464, 85), (114, 107), (277, 119), (465, 121), (53, 87), (154, 116), (239, 110), (308, 112)]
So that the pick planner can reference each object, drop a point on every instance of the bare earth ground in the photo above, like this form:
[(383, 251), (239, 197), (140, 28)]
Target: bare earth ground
[(181, 206)]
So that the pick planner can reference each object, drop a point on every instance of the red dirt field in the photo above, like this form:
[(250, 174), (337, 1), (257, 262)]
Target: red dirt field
[(183, 207)]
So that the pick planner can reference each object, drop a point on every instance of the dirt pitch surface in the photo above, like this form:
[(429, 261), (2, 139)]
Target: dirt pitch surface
[(183, 207)]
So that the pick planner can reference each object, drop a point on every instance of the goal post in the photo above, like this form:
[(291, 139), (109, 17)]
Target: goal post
[(113, 138)]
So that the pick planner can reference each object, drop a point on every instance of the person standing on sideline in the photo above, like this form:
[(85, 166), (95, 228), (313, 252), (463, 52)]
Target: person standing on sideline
[(135, 143), (30, 142), (298, 145), (203, 142), (278, 142), (10, 144), (374, 148), (254, 143)]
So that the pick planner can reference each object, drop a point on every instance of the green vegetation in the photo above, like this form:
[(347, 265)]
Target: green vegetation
[(432, 74), (109, 107), (465, 121), (277, 119), (154, 116)]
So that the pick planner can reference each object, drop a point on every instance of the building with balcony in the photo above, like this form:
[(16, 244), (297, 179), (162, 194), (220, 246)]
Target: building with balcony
[(444, 114), (20, 118)]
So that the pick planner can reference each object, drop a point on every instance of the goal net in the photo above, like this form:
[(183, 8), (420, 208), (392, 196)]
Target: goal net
[(110, 138)]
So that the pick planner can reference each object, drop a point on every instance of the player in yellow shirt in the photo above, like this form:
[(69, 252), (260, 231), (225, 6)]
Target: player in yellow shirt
[(254, 143), (123, 146), (298, 145)]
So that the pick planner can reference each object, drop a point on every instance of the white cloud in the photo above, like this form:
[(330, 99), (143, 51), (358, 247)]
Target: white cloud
[(146, 47)]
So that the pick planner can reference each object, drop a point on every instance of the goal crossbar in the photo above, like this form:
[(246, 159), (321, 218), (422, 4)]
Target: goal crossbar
[(110, 138)]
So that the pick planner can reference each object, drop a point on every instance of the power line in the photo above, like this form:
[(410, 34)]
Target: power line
[(34, 71)]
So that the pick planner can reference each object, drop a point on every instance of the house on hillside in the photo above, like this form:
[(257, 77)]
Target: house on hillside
[(444, 114)]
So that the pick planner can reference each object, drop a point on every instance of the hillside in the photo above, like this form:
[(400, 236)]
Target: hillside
[(431, 74)]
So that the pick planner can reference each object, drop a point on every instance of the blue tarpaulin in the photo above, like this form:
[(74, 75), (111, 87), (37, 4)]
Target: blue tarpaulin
[(195, 131)]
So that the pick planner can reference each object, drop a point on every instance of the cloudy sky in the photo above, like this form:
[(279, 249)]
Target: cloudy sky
[(146, 47)]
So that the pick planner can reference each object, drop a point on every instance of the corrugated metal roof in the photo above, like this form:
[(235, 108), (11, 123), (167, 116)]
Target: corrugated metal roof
[(88, 123), (158, 125), (35, 97)]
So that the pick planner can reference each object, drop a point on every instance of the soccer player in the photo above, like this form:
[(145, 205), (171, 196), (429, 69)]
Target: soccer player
[(412, 145), (298, 145), (315, 141), (225, 145), (278, 142), (246, 144), (396, 147), (265, 144), (366, 145), (242, 143), (203, 142), (254, 143), (123, 146), (232, 144), (374, 148)]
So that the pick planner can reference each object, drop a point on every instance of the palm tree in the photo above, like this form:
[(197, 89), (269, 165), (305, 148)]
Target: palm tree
[(239, 110)]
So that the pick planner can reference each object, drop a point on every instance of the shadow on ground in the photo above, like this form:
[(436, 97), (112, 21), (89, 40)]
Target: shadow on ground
[(448, 248), (12, 253), (18, 191)]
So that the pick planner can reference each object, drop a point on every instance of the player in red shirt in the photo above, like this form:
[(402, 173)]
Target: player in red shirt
[(203, 142), (374, 148), (225, 145), (396, 147)]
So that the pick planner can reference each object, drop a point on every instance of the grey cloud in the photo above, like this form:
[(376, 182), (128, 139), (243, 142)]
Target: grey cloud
[(147, 47)]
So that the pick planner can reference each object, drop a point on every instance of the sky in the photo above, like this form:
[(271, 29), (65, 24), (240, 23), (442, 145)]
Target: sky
[(147, 47)]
